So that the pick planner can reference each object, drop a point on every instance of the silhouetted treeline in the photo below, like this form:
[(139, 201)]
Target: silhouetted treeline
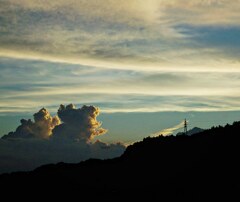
[(201, 167)]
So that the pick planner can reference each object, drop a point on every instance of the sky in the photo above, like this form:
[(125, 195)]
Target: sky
[(146, 65)]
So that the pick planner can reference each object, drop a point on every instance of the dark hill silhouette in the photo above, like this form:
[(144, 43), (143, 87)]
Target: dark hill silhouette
[(201, 167)]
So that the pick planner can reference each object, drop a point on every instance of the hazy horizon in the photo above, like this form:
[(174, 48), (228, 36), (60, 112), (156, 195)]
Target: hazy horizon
[(130, 127)]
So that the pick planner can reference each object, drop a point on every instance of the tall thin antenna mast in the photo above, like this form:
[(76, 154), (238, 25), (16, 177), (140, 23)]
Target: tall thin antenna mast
[(185, 126)]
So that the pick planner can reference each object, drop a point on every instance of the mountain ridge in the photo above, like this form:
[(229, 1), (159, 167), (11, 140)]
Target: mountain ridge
[(173, 167), (192, 131)]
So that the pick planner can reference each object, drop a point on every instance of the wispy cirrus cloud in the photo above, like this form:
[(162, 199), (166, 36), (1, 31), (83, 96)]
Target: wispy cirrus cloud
[(138, 35), (168, 131), (28, 85)]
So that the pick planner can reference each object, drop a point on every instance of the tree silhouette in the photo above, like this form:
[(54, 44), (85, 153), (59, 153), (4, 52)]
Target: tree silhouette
[(200, 167)]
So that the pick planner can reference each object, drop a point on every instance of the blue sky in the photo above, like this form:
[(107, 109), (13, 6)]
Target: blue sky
[(126, 57)]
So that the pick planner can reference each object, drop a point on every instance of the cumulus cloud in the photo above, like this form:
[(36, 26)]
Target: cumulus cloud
[(41, 127), (49, 140), (76, 124), (79, 124)]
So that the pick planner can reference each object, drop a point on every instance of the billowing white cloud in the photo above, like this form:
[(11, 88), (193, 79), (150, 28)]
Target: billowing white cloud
[(46, 140), (42, 126), (80, 124)]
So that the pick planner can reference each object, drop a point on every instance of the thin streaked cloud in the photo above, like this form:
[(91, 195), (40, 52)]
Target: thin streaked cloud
[(138, 35), (129, 55)]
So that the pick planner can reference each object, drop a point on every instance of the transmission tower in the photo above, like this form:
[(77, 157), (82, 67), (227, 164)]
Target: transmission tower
[(185, 126)]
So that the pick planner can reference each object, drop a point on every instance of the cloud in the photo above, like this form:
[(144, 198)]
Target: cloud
[(151, 11), (123, 35), (169, 131), (29, 85), (87, 37), (108, 10), (78, 124), (142, 48), (201, 12), (47, 140), (41, 127)]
